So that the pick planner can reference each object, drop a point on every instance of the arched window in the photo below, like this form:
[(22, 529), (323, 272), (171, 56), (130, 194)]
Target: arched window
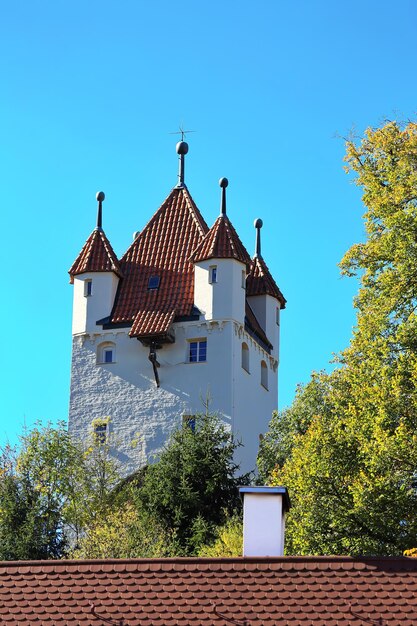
[(106, 352), (264, 374), (245, 356)]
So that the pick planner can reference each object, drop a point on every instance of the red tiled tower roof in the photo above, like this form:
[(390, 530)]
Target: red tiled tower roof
[(97, 255), (221, 242), (260, 282), (301, 591), (161, 250)]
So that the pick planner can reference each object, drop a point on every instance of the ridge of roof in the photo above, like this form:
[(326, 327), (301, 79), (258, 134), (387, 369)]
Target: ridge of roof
[(238, 560), (221, 242), (161, 249), (260, 281), (97, 255)]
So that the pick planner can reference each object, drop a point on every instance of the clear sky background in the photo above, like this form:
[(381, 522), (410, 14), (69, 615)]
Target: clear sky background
[(89, 92)]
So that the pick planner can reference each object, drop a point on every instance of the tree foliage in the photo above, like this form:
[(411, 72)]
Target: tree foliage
[(193, 486), (347, 448), (59, 498), (51, 490)]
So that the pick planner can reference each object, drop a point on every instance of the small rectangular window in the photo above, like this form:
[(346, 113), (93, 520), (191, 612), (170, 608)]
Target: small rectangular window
[(243, 279), (100, 432), (108, 355), (88, 287), (277, 317), (213, 274), (153, 282), (197, 351)]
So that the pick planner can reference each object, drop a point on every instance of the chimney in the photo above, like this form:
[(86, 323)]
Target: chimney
[(264, 510)]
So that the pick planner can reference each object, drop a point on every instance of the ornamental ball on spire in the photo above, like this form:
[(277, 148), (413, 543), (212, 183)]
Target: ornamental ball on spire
[(181, 147)]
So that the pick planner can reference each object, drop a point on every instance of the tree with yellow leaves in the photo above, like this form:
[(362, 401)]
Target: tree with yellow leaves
[(352, 467)]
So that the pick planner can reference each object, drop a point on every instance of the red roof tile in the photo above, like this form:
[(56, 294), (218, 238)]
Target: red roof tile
[(308, 591), (221, 242), (162, 249), (97, 255), (260, 282)]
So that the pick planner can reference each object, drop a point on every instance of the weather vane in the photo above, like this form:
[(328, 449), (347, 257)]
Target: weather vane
[(182, 132)]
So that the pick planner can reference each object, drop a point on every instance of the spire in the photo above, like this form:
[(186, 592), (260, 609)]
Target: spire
[(223, 182), (182, 149), (100, 198), (258, 223), (97, 254), (222, 240)]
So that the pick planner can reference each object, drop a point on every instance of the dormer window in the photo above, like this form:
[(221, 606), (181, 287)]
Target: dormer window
[(88, 287), (153, 282), (213, 274)]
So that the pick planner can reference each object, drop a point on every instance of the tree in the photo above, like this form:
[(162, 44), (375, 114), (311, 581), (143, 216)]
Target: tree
[(51, 490), (193, 486), (124, 532), (33, 484), (352, 467), (228, 541), (277, 444)]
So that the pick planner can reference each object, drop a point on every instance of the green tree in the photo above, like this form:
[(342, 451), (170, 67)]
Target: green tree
[(51, 490), (124, 532), (228, 539), (193, 485), (352, 466), (32, 495), (277, 444)]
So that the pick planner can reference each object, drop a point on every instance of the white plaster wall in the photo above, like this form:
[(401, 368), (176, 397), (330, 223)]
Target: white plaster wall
[(88, 309), (141, 413), (224, 299), (203, 291), (252, 403), (265, 309)]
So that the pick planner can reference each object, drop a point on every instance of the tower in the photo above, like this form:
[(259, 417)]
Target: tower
[(183, 315)]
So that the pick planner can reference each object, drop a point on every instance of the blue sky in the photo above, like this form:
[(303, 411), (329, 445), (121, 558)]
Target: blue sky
[(89, 93)]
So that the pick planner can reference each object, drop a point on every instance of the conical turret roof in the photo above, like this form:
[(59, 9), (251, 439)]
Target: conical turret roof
[(221, 242), (97, 255), (260, 282)]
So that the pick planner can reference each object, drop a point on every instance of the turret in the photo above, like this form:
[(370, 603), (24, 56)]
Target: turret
[(95, 274), (221, 263), (264, 296)]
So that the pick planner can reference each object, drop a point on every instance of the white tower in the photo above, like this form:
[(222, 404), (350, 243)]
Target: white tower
[(166, 325)]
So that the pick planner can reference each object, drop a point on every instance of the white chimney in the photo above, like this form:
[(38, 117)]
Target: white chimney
[(264, 510)]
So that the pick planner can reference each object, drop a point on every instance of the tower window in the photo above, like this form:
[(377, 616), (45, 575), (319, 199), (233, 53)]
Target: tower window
[(264, 374), (108, 355), (243, 279), (245, 357), (106, 352), (277, 315), (197, 351), (153, 282), (213, 274), (88, 287), (100, 434)]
